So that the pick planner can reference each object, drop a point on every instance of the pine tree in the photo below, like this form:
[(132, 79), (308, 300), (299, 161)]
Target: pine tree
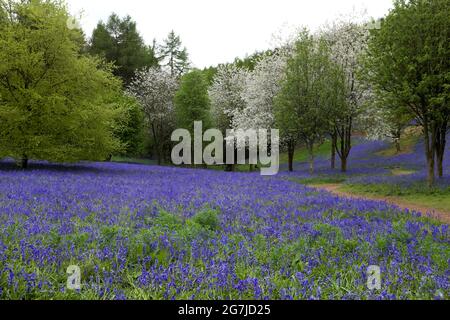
[(174, 56), (119, 42)]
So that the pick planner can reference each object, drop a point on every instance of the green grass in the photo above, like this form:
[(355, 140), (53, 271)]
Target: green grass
[(301, 154), (416, 195), (407, 144), (402, 172), (322, 179), (133, 160)]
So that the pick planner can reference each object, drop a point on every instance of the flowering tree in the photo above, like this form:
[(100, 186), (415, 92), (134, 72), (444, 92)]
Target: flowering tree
[(226, 95), (261, 88), (154, 89), (348, 41)]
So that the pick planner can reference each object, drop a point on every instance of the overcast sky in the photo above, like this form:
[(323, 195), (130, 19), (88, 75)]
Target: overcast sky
[(218, 31)]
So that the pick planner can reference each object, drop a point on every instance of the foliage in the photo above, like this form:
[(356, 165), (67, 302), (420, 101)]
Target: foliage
[(208, 219), (173, 55), (348, 40), (192, 101), (133, 130), (55, 103), (119, 42), (226, 95), (155, 89), (302, 104), (407, 61), (261, 87)]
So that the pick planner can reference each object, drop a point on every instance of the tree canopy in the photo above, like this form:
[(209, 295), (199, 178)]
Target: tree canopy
[(55, 103), (119, 42), (408, 63)]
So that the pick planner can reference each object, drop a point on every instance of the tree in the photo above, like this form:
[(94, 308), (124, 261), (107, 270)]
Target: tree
[(155, 89), (119, 42), (174, 56), (261, 87), (408, 60), (348, 41), (131, 129), (54, 102), (226, 97), (192, 101), (301, 106), (384, 122)]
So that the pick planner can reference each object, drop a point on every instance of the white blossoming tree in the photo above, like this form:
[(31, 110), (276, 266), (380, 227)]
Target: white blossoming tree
[(154, 89), (261, 88), (348, 40), (226, 95)]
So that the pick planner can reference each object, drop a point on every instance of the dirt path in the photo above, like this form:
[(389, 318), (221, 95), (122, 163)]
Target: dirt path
[(443, 216)]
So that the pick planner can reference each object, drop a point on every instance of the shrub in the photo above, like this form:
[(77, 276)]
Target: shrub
[(208, 219)]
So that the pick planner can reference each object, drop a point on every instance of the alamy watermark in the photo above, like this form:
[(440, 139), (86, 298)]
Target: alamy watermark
[(74, 278), (238, 147), (374, 278)]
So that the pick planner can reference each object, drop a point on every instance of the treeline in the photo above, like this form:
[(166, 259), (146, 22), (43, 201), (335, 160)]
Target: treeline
[(63, 98)]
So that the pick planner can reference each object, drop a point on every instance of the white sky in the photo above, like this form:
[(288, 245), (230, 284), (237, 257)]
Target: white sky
[(218, 31)]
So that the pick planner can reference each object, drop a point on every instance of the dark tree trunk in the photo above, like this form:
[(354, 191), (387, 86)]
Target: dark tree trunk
[(24, 162), (397, 145), (311, 157), (397, 136), (291, 152), (430, 144), (344, 164), (157, 148), (440, 148), (344, 133), (333, 150)]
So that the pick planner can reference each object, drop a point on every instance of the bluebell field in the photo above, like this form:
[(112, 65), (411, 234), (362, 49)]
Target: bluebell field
[(147, 232)]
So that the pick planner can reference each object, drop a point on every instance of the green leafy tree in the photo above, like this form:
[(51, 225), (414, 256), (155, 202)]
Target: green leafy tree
[(132, 128), (302, 106), (408, 60), (119, 42), (55, 104), (174, 56), (192, 101)]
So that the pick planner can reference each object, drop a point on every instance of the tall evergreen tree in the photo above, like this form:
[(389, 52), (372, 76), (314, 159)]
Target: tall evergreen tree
[(174, 56), (119, 42)]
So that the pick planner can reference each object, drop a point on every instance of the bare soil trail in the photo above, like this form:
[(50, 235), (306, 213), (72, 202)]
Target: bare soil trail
[(443, 216)]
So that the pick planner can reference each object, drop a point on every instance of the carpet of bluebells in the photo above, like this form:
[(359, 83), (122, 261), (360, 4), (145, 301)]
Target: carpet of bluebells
[(144, 232), (370, 169)]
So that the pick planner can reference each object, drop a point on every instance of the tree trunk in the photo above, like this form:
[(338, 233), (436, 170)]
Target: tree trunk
[(430, 143), (311, 157), (344, 133), (344, 164), (333, 150), (291, 152), (440, 169), (397, 136), (24, 162), (440, 148), (397, 145)]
